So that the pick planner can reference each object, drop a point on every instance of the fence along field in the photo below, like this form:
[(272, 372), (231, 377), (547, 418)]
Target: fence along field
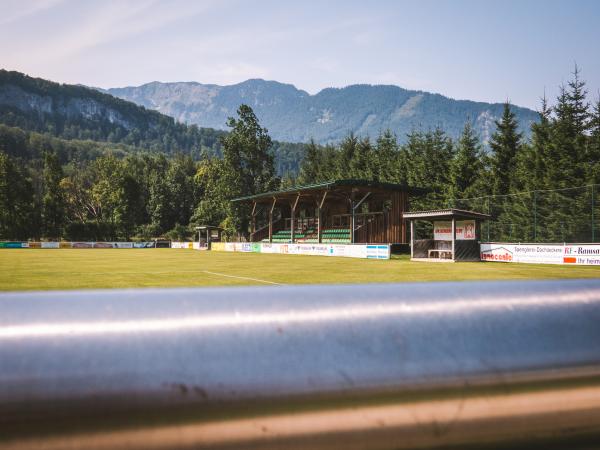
[(541, 216)]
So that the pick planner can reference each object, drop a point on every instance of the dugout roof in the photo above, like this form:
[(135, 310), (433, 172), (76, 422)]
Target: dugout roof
[(342, 187), (443, 214)]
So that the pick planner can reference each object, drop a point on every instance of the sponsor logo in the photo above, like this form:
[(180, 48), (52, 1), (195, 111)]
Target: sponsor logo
[(588, 250), (497, 254)]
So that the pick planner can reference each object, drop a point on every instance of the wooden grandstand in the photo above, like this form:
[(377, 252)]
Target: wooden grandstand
[(341, 211)]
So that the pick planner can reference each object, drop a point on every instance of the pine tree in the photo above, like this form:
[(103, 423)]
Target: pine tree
[(361, 164), (348, 147), (565, 167), (592, 159), (438, 151), (311, 165), (526, 204), (249, 164), (505, 144), (388, 165), (415, 159), (330, 165), (466, 166), (533, 169), (578, 105)]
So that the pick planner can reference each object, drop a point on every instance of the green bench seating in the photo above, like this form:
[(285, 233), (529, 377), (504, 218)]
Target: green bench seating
[(328, 236)]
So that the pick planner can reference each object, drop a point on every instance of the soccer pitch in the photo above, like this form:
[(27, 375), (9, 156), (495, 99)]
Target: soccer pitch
[(30, 269)]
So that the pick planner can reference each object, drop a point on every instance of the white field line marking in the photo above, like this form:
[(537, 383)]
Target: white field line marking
[(243, 278)]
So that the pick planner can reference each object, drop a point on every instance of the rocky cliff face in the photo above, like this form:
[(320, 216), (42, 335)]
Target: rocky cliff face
[(293, 115), (13, 96)]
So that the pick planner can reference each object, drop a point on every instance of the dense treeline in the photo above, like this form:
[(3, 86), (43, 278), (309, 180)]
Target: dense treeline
[(57, 188), (30, 145), (139, 195)]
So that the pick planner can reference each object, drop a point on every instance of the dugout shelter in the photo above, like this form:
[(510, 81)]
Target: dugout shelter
[(341, 211), (456, 235), (208, 234)]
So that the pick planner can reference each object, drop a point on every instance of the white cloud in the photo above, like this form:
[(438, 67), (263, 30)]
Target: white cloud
[(106, 22), (16, 10)]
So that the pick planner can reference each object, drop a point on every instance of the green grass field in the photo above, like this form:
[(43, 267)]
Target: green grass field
[(34, 269)]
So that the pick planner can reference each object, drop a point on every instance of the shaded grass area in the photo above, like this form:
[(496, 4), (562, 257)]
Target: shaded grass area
[(37, 269)]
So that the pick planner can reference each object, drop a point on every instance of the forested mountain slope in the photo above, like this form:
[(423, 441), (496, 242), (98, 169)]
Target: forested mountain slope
[(74, 112)]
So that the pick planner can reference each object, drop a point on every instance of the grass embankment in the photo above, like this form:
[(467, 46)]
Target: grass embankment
[(34, 269)]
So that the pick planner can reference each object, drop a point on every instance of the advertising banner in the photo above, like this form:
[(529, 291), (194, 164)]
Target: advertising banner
[(150, 244), (378, 251), (187, 245), (217, 246), (588, 255), (78, 245), (465, 230), (82, 245), (584, 254), (104, 245), (371, 251), (14, 245)]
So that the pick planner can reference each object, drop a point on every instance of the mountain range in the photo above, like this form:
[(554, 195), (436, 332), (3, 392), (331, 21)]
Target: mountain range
[(293, 115)]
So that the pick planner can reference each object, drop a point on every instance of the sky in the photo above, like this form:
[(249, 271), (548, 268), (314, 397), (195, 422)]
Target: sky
[(480, 50)]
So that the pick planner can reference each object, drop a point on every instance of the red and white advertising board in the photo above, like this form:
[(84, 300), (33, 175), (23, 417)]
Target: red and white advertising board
[(465, 230), (576, 254)]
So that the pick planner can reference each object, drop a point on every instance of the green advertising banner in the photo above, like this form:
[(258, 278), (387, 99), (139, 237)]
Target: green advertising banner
[(11, 245)]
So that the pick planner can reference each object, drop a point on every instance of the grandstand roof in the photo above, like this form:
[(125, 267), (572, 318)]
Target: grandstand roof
[(346, 186), (445, 214)]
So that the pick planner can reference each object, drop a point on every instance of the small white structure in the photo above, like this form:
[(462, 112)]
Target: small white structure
[(456, 235)]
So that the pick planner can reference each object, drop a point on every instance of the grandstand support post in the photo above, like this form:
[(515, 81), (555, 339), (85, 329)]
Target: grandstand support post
[(453, 237), (271, 220), (354, 208), (320, 217), (293, 221), (412, 238), (352, 221)]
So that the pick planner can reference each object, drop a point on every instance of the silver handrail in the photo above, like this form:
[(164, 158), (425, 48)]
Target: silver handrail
[(418, 365)]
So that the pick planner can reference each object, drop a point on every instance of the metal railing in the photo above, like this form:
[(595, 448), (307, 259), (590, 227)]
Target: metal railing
[(307, 367)]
